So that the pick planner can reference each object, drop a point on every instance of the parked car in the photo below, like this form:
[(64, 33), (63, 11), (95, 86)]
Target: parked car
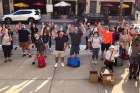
[(29, 15)]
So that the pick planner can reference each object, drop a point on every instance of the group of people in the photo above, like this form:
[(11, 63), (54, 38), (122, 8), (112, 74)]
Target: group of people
[(119, 41)]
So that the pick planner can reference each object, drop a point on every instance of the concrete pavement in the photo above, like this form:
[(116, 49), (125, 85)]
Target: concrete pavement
[(20, 76)]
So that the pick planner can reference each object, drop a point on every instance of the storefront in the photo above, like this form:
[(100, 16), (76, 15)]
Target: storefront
[(77, 8), (113, 8)]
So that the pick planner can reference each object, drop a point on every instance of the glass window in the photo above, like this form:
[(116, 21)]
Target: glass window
[(22, 12)]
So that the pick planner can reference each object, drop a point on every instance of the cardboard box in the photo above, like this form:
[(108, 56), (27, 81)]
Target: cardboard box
[(93, 76), (108, 79)]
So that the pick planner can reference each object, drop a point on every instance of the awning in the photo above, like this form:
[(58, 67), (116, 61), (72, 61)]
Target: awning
[(21, 4), (62, 4)]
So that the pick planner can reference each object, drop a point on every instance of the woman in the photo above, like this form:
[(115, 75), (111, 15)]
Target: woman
[(96, 44), (6, 44), (46, 35), (125, 40), (34, 30)]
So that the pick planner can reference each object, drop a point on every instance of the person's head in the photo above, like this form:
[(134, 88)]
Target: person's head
[(76, 29), (111, 48), (95, 34), (33, 25), (36, 36), (60, 34), (106, 28), (23, 26)]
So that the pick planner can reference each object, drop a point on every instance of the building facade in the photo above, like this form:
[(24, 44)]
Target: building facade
[(6, 7), (78, 7), (137, 3)]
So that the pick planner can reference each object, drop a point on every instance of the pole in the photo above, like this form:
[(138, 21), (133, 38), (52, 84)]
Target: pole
[(48, 13), (76, 10), (121, 10)]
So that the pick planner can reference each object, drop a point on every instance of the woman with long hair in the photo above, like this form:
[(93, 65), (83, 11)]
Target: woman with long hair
[(46, 35)]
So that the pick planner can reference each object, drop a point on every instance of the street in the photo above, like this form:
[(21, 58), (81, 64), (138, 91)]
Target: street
[(19, 76)]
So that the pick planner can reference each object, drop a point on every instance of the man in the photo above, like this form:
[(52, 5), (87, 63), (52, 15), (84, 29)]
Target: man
[(75, 35), (24, 40), (107, 39), (134, 68), (60, 46)]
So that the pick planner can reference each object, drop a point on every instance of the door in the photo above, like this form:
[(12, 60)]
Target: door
[(6, 6)]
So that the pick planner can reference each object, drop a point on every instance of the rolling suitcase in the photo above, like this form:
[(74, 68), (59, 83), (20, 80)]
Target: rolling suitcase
[(73, 62)]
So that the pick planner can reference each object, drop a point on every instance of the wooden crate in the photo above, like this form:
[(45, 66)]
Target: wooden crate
[(93, 78)]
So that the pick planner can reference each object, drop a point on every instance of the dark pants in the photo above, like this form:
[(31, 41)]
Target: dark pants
[(50, 42), (74, 49), (6, 50), (105, 47), (116, 61), (95, 53), (109, 64), (134, 70), (86, 42)]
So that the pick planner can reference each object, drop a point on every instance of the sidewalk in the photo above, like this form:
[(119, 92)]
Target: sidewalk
[(20, 76)]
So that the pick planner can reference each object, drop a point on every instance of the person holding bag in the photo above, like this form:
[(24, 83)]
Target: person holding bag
[(110, 57)]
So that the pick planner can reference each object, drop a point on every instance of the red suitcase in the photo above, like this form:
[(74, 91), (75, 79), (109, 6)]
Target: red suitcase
[(41, 61)]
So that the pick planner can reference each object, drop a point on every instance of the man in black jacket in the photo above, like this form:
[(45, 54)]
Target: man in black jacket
[(75, 35)]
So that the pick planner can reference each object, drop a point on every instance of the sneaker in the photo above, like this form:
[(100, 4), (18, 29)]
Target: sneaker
[(10, 60), (5, 61), (33, 63), (30, 56), (62, 64), (130, 77), (23, 55), (135, 78), (16, 48), (56, 65), (95, 62)]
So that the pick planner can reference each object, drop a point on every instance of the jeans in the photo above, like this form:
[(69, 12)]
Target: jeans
[(6, 50), (74, 49), (95, 53)]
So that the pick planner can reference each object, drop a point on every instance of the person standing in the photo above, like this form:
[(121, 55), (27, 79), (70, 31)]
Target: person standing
[(75, 35), (60, 46), (6, 44), (106, 36), (24, 40), (134, 59), (45, 36), (34, 31), (96, 44)]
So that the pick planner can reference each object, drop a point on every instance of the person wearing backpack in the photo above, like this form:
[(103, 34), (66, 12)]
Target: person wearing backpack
[(6, 44)]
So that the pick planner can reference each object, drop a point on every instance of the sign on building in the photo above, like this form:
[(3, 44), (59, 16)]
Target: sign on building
[(49, 8)]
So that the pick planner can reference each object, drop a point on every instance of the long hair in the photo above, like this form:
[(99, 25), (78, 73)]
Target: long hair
[(46, 31)]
